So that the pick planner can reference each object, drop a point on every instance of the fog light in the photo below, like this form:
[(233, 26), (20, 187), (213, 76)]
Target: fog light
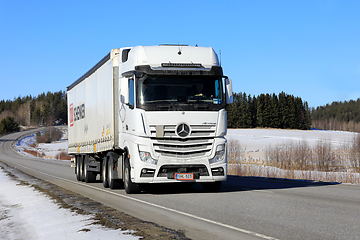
[(217, 171), (146, 172)]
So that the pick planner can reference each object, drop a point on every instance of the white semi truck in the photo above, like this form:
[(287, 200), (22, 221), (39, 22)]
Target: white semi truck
[(150, 114)]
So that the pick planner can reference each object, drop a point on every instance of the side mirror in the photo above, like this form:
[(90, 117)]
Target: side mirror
[(228, 87)]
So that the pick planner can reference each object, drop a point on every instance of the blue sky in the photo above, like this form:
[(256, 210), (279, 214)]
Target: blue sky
[(307, 48)]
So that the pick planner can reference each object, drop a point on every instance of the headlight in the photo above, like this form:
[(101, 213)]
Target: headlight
[(219, 155), (146, 157)]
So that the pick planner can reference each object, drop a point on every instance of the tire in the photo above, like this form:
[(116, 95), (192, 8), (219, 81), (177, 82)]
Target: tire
[(113, 183), (77, 168), (104, 177), (81, 169), (89, 176), (212, 187), (129, 186), (75, 163)]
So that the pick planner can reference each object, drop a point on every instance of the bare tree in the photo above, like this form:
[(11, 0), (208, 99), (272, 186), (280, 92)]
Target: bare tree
[(355, 153)]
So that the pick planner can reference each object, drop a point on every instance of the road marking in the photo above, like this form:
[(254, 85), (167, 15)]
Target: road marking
[(157, 206), (263, 190)]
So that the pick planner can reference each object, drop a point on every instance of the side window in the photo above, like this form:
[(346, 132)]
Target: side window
[(131, 92), (125, 55)]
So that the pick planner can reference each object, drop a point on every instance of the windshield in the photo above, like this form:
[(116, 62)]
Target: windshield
[(168, 92)]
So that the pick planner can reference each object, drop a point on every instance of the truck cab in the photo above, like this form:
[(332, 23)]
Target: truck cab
[(172, 114)]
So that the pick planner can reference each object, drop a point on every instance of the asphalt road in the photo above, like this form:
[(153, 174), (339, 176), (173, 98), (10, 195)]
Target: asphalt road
[(245, 208)]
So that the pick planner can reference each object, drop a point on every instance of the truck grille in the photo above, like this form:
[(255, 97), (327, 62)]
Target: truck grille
[(197, 144)]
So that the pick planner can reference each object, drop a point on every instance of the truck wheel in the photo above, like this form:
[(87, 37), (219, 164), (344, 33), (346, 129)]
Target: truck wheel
[(77, 170), (89, 176), (129, 186), (113, 183), (104, 173), (211, 187)]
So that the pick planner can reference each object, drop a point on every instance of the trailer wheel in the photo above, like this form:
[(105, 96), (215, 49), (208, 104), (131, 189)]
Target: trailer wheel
[(77, 169), (212, 187), (89, 176), (81, 169), (113, 183), (104, 177), (129, 186)]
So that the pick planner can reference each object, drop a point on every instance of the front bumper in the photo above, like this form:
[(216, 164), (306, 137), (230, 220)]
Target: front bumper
[(165, 173)]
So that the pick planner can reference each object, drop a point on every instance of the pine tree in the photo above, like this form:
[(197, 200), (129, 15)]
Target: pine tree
[(8, 125), (274, 112), (248, 112), (36, 116)]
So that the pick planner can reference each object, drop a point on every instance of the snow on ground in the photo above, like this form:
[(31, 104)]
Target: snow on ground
[(24, 143), (52, 149), (255, 141), (28, 214), (45, 150)]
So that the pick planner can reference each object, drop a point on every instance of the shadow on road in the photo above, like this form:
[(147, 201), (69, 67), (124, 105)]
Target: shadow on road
[(235, 184)]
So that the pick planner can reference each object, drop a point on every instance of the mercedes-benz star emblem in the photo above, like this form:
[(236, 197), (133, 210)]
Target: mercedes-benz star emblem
[(183, 130)]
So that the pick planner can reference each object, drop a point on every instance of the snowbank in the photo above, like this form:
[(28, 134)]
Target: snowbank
[(273, 172), (255, 141), (28, 214), (253, 144)]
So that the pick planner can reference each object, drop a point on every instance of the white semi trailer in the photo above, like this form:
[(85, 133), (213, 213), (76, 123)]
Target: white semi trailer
[(151, 114)]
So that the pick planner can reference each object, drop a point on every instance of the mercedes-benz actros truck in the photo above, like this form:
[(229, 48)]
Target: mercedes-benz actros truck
[(150, 114)]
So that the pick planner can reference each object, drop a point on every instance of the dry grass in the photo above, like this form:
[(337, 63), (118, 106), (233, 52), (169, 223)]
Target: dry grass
[(354, 155), (33, 145), (234, 151), (298, 160), (63, 156), (59, 156), (34, 153)]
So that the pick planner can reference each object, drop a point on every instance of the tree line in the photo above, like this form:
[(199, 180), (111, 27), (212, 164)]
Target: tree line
[(268, 110), (265, 110), (344, 116), (44, 110)]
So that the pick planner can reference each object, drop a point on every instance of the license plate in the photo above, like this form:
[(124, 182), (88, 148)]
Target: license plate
[(184, 176)]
